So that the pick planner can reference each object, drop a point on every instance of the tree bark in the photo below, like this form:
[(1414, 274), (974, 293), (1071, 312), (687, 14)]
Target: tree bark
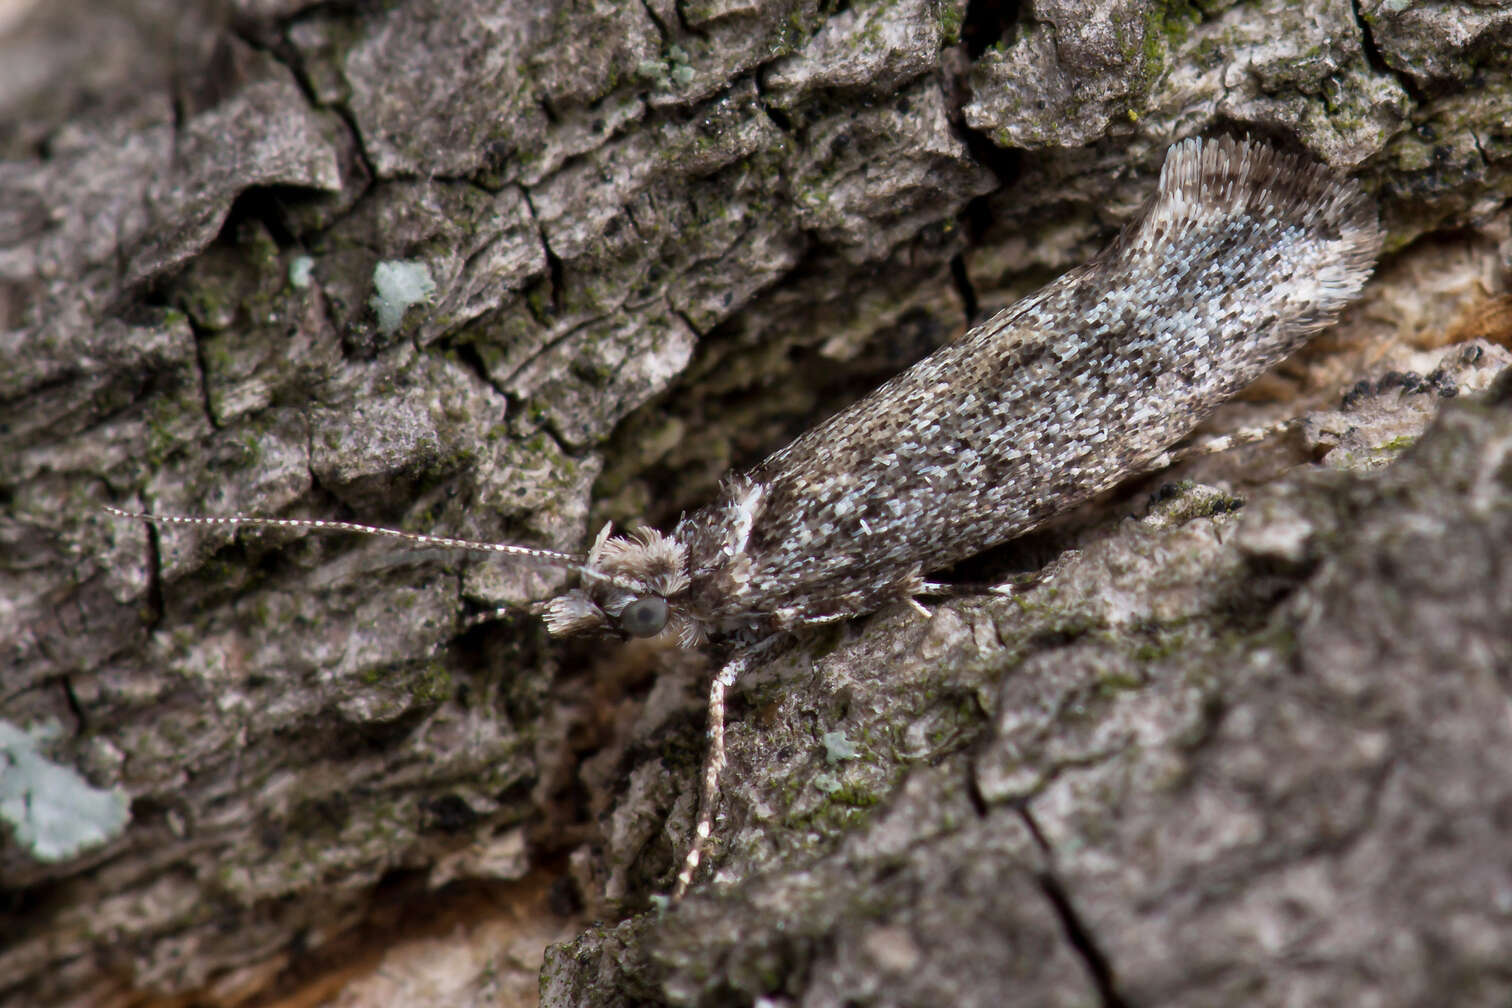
[(507, 271)]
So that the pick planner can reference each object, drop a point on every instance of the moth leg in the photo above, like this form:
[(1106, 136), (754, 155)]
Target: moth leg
[(714, 762)]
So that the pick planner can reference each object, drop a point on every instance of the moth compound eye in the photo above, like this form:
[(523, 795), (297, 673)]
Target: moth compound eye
[(644, 617)]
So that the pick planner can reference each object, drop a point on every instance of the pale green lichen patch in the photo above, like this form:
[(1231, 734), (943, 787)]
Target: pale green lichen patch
[(827, 782), (301, 269), (399, 285), (54, 812), (673, 70), (837, 747)]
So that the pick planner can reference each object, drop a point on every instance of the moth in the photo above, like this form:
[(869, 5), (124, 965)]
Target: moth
[(1239, 255)]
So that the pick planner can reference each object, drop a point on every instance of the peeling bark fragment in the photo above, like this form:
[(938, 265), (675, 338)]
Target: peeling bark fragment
[(1069, 75), (877, 48), (1438, 46)]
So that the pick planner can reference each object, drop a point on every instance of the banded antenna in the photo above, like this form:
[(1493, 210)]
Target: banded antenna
[(567, 561)]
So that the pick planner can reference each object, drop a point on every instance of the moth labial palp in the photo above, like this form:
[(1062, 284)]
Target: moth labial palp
[(1240, 254)]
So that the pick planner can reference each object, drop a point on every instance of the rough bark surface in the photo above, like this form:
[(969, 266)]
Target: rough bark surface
[(1243, 741)]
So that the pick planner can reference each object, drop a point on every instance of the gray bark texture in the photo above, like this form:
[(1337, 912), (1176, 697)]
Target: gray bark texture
[(508, 270)]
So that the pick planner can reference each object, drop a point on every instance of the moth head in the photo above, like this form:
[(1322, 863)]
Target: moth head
[(634, 585)]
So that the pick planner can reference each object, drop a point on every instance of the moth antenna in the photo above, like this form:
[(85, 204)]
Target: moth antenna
[(566, 560)]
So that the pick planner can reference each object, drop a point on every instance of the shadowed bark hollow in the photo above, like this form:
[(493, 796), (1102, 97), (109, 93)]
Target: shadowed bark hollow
[(508, 270)]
